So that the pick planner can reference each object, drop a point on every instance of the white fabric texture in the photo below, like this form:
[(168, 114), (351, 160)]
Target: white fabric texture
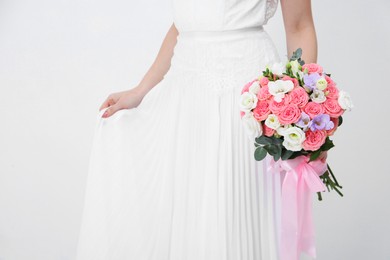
[(217, 15), (175, 178)]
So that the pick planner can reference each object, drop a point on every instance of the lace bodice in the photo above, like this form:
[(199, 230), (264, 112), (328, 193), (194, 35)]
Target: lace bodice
[(218, 15)]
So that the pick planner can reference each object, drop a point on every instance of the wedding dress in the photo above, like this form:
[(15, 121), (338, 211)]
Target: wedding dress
[(175, 178)]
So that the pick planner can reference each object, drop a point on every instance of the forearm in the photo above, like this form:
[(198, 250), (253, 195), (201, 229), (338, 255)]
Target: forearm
[(306, 39), (161, 64), (299, 27)]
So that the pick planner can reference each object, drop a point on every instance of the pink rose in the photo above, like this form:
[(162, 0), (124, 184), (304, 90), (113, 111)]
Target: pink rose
[(314, 140), (312, 68), (268, 131), (332, 92), (336, 123), (246, 87), (299, 97), (330, 81), (291, 114), (332, 107), (313, 109), (261, 111), (294, 80), (263, 94), (278, 107), (264, 81)]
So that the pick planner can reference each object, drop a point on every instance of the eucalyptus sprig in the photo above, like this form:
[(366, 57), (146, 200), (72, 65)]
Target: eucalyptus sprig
[(297, 55), (273, 146)]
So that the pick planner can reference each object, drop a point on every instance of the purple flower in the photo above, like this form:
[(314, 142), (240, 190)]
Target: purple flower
[(310, 80), (321, 122), (304, 122)]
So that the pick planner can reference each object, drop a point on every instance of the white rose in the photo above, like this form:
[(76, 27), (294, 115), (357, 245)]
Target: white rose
[(292, 147), (318, 96), (293, 138), (345, 100), (295, 66), (251, 125), (248, 101), (272, 122), (321, 83), (280, 130), (255, 87), (279, 88), (278, 68)]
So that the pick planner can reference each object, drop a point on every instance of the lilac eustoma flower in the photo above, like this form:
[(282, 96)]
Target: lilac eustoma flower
[(310, 80), (321, 122), (304, 122)]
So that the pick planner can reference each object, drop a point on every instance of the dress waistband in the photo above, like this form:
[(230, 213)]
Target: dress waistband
[(213, 34)]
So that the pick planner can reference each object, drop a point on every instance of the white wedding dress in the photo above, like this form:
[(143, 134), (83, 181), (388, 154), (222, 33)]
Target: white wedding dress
[(175, 178)]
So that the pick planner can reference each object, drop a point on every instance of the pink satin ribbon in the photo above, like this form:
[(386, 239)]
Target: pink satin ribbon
[(300, 182)]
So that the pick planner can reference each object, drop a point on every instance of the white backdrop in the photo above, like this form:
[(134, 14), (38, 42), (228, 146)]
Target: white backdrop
[(60, 59)]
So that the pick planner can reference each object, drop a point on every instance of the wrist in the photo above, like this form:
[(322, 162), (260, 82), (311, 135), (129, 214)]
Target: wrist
[(141, 90)]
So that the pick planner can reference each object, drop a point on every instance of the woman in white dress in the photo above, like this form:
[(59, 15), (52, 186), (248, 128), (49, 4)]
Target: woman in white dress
[(172, 174)]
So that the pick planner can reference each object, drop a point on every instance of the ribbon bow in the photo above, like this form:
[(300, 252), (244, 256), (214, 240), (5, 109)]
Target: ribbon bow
[(300, 182)]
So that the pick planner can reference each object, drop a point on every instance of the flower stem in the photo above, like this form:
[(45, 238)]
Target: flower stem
[(331, 173), (319, 196)]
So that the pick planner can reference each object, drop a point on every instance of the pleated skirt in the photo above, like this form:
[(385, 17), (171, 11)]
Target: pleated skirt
[(175, 177)]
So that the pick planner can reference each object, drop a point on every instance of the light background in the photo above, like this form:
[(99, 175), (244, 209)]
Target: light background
[(60, 59)]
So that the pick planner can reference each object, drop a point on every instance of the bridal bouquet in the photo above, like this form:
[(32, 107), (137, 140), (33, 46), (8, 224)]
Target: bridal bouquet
[(291, 113), (293, 109)]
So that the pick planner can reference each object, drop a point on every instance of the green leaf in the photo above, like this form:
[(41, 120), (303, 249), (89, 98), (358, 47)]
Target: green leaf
[(314, 155), (296, 54), (274, 150), (288, 72), (327, 145), (295, 155), (340, 120), (260, 153), (271, 149), (286, 154), (264, 140), (277, 141), (278, 153)]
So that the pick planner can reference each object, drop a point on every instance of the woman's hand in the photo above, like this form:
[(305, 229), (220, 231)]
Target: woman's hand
[(323, 156), (121, 100), (133, 97)]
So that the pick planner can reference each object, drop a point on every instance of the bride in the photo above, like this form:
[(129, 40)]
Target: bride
[(171, 173)]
